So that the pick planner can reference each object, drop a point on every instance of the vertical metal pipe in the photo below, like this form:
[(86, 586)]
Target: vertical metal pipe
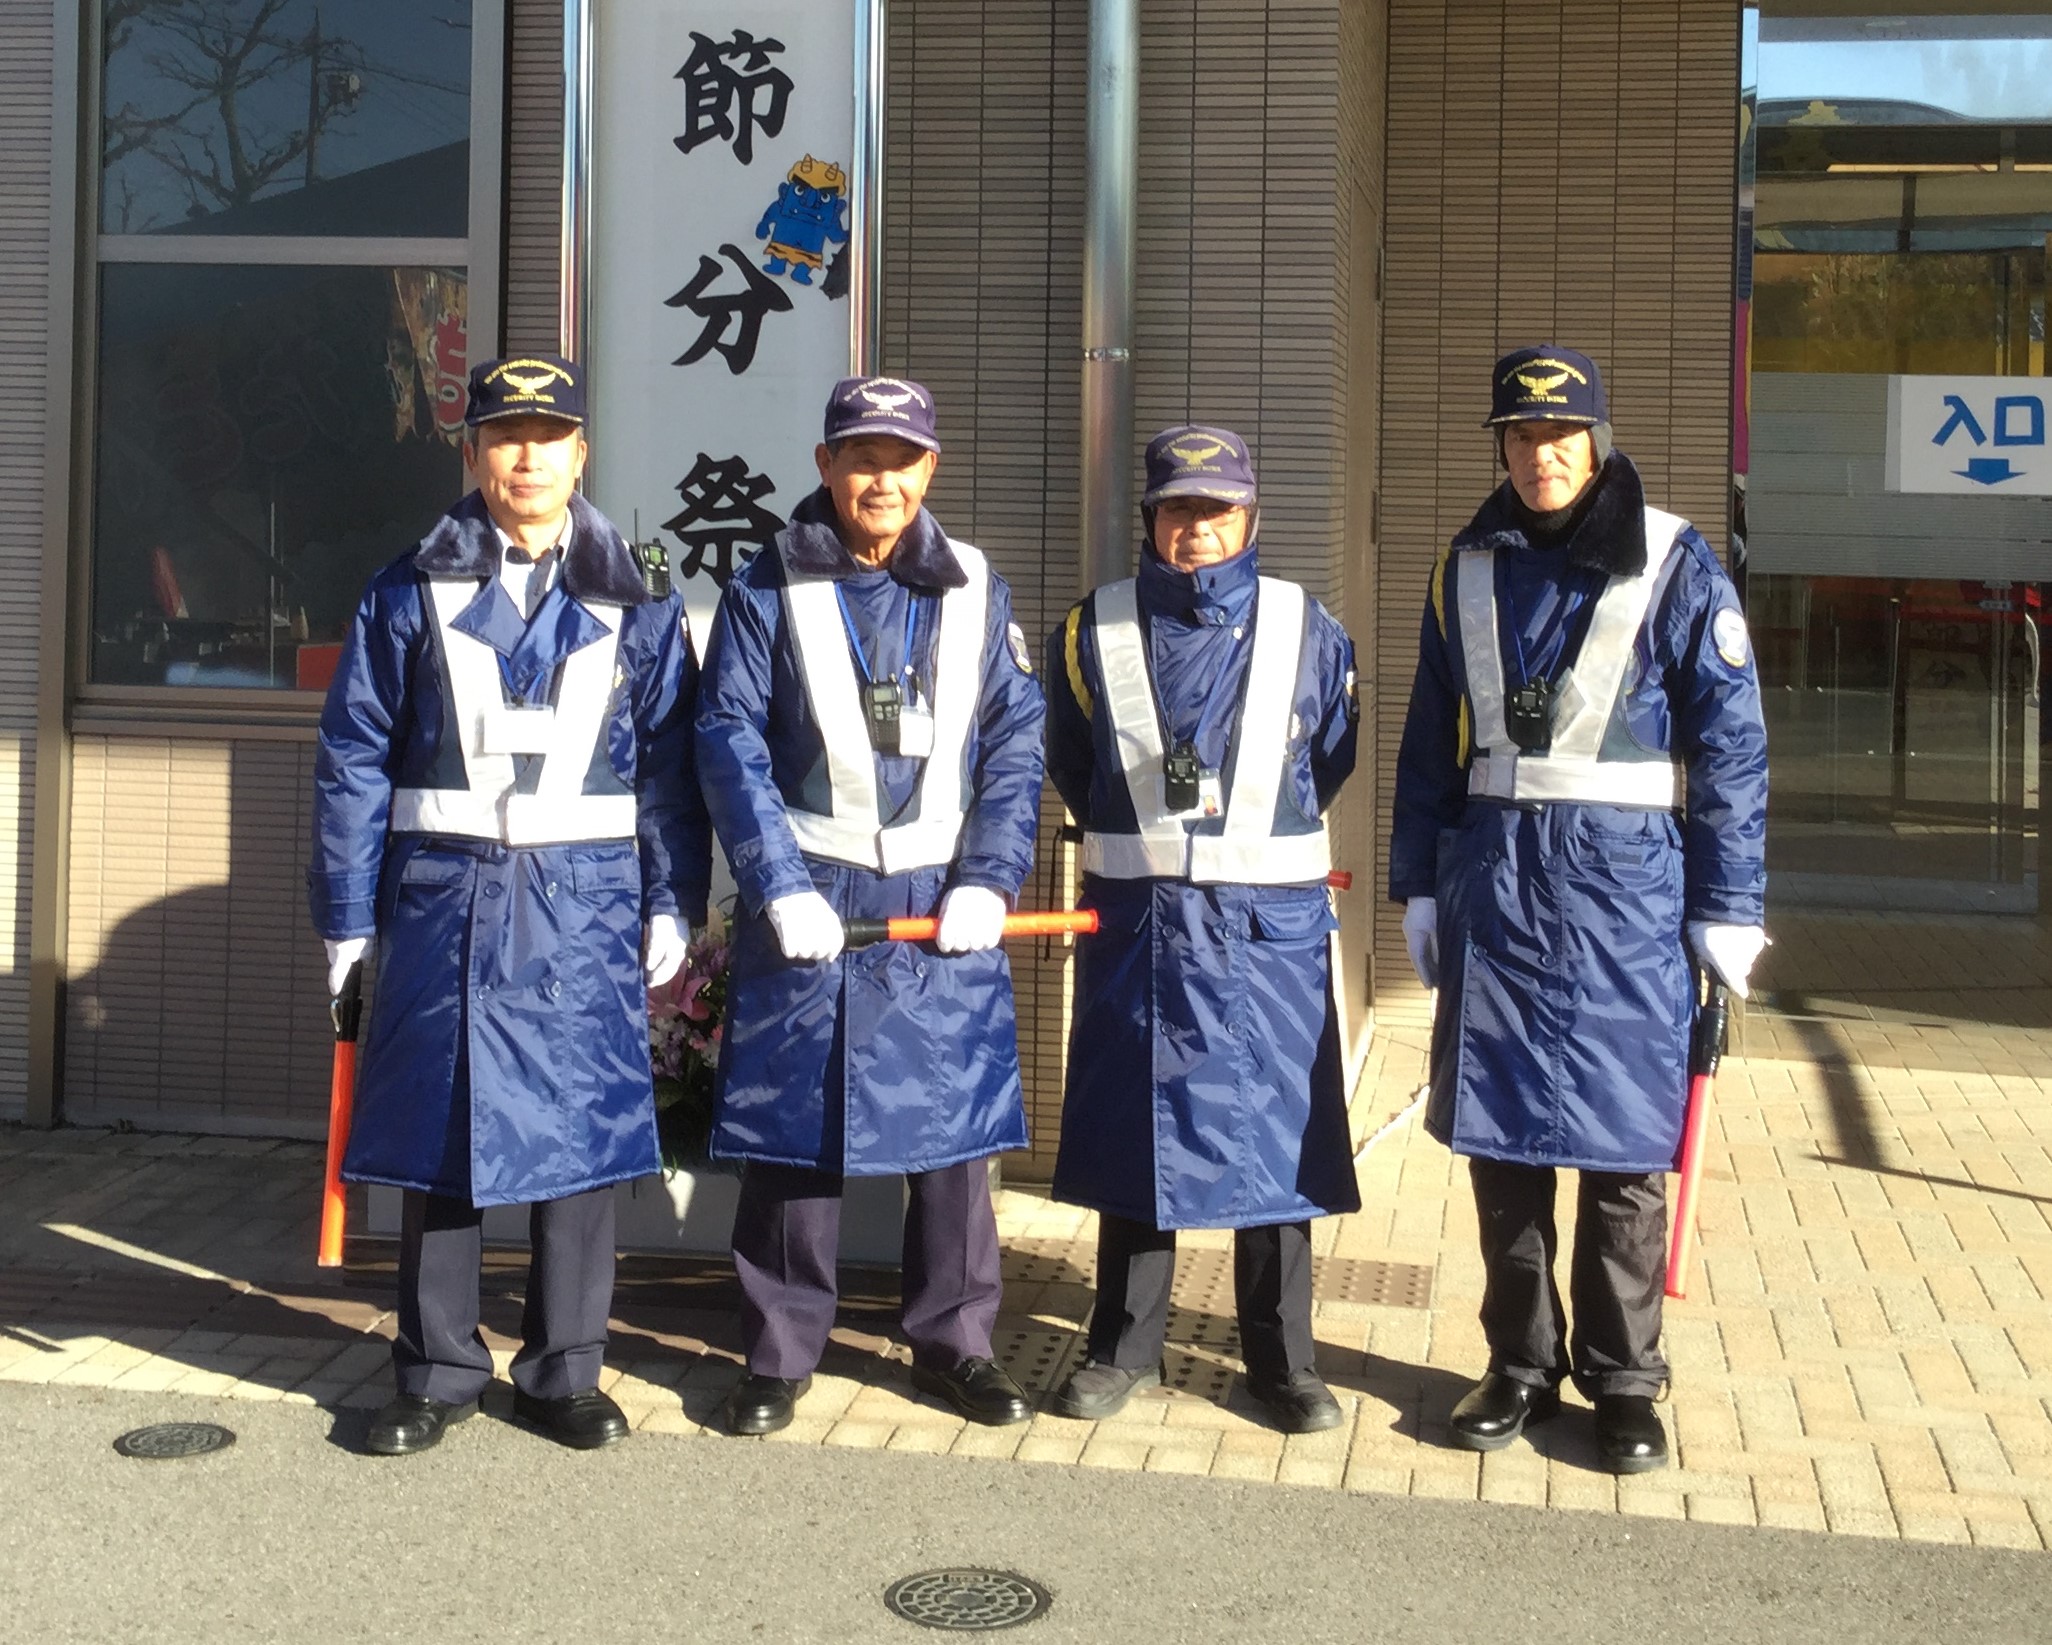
[(1109, 234), (865, 192), (573, 328)]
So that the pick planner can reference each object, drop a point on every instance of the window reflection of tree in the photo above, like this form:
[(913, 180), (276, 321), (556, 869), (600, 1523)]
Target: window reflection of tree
[(212, 57), (1969, 312)]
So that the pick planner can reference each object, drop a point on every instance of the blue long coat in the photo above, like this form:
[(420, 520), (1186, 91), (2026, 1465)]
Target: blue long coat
[(1561, 1036), (1205, 1082), (891, 1058), (506, 1058)]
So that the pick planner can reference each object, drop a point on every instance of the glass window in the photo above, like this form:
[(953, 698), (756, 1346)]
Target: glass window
[(285, 117), (268, 437), (1897, 195), (284, 314)]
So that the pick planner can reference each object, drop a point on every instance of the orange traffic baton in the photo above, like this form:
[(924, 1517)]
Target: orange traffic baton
[(1706, 1047), (346, 1008), (1066, 922)]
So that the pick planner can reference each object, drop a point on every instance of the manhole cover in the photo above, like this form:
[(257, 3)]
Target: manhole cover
[(967, 1601), (174, 1439)]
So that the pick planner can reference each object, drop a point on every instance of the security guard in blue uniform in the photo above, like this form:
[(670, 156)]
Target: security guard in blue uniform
[(504, 798), (1580, 805), (1201, 720), (870, 742)]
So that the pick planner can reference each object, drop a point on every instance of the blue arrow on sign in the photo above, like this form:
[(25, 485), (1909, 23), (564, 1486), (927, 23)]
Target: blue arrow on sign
[(1988, 471)]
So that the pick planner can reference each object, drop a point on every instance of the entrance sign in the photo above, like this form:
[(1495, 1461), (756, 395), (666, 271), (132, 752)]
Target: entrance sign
[(716, 230), (1970, 435)]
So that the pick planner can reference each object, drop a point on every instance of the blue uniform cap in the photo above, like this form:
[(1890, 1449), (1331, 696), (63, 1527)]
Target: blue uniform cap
[(526, 385), (881, 405), (1193, 460), (1556, 385)]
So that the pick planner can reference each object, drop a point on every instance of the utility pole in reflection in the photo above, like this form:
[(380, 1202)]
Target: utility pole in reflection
[(313, 95)]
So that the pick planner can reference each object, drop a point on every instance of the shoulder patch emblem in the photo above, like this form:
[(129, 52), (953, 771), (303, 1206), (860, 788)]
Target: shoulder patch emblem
[(1728, 630), (1353, 690), (1015, 637)]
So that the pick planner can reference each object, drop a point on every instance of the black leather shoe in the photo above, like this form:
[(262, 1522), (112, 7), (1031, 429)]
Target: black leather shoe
[(1499, 1408), (584, 1421), (1095, 1389), (413, 1422), (1302, 1405), (1629, 1437), (978, 1388), (762, 1405)]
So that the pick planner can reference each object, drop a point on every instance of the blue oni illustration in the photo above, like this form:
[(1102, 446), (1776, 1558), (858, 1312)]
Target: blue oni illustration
[(809, 213)]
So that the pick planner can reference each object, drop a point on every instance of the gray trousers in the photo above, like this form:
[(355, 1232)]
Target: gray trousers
[(439, 1351)]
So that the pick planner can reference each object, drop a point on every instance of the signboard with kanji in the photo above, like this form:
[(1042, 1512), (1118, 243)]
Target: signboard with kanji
[(717, 268)]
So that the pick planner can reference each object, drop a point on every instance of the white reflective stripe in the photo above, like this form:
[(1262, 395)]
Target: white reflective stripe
[(1589, 687), (552, 819), (447, 811), (1246, 851), (559, 811), (1543, 779), (824, 664), (1161, 846), (1249, 851), (854, 832), (1474, 575), (470, 669), (1571, 770), (1273, 859)]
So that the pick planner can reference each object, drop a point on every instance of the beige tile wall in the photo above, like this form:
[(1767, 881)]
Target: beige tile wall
[(197, 993), (27, 80)]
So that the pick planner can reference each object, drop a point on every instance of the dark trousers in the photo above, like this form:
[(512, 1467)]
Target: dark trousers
[(439, 1351), (1136, 1266), (1616, 1278), (787, 1232)]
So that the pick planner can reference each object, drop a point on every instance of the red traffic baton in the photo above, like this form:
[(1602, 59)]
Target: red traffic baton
[(1706, 1047), (346, 1009), (1064, 922)]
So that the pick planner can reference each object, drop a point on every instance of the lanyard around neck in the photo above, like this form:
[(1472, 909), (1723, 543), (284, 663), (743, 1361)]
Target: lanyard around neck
[(907, 669)]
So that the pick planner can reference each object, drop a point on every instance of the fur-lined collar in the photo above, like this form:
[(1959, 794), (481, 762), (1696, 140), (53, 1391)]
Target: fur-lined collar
[(1611, 537), (812, 546), (598, 567)]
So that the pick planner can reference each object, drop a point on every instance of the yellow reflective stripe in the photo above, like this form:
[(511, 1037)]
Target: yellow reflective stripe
[(1077, 688), (1461, 733), (1439, 589)]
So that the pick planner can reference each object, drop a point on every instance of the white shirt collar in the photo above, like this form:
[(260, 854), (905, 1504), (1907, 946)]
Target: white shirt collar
[(507, 545)]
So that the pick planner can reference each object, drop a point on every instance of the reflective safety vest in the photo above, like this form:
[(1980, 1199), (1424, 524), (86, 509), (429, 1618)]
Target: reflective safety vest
[(854, 831), (1243, 847), (569, 738), (1589, 695)]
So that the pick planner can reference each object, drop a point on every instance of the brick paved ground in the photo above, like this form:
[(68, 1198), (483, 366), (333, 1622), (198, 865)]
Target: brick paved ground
[(1868, 1349)]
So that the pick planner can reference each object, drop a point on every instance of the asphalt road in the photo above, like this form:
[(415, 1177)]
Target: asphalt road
[(290, 1535)]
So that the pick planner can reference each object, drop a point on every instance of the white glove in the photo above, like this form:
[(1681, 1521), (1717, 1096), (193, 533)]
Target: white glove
[(1729, 950), (663, 947), (342, 954), (1421, 937), (971, 917), (807, 926)]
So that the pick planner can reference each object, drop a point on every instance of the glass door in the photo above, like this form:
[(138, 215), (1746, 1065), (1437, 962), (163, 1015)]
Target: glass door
[(1896, 215)]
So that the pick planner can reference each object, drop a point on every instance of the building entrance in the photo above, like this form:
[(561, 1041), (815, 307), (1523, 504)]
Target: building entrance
[(1897, 218), (1892, 488)]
